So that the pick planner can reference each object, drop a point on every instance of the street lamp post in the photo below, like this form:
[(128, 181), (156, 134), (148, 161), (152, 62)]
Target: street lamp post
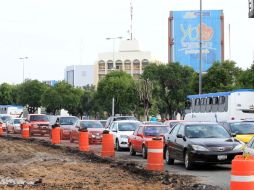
[(114, 66), (200, 49), (23, 61)]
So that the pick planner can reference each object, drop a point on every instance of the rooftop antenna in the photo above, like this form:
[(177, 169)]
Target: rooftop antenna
[(131, 11)]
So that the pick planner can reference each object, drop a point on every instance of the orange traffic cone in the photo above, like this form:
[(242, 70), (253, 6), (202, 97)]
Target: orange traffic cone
[(242, 173), (55, 133), (83, 140), (107, 145), (25, 130), (155, 155), (1, 129)]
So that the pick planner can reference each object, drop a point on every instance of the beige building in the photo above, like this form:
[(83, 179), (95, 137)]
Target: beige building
[(128, 58)]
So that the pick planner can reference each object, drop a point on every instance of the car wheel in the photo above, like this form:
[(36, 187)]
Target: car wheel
[(144, 152), (132, 151), (169, 160), (188, 163), (118, 148)]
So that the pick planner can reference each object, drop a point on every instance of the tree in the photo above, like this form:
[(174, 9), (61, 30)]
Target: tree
[(6, 94), (246, 79), (145, 90), (29, 94), (174, 84), (51, 100), (119, 85), (221, 77)]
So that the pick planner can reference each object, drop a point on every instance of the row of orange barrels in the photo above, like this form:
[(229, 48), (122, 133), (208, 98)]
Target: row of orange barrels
[(155, 159), (242, 173)]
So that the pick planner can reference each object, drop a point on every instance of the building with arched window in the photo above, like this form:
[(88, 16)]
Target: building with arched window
[(128, 58)]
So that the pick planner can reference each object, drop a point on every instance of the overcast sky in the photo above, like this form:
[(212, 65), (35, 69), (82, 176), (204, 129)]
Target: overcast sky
[(56, 33)]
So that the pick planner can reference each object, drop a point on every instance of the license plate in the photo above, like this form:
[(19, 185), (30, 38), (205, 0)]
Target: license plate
[(222, 157)]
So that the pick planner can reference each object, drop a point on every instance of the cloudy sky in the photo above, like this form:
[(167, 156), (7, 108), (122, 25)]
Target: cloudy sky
[(57, 33)]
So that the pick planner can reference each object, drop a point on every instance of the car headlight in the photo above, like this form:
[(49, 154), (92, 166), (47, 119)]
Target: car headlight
[(93, 136), (124, 136), (239, 147), (199, 148)]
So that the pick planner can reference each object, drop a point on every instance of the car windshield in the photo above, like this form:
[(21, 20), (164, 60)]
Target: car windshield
[(68, 120), (125, 118), (39, 118), (5, 118), (17, 121), (155, 130), (91, 124), (242, 127), (103, 122), (206, 131), (128, 126)]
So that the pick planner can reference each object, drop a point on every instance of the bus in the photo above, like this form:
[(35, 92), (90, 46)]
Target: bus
[(220, 106), (12, 110)]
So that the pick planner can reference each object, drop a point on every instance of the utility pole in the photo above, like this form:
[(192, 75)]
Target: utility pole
[(200, 49), (23, 61)]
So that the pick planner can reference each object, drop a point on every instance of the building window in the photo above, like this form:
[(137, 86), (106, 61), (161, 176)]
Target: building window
[(101, 65), (145, 62), (110, 64), (70, 77), (101, 77), (119, 65), (136, 66), (127, 65)]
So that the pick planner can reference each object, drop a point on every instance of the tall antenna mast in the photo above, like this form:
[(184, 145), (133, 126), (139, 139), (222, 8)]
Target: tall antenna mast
[(131, 11)]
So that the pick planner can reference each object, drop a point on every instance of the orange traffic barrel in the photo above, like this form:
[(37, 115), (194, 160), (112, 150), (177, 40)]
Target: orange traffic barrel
[(155, 155), (1, 129), (83, 140), (107, 145), (242, 173), (55, 134), (25, 130)]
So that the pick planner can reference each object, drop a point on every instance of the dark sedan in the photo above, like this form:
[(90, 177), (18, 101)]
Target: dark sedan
[(201, 142)]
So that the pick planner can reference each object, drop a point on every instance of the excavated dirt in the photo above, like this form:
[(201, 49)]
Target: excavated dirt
[(38, 165)]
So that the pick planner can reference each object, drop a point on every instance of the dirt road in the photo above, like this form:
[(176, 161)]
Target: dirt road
[(26, 165)]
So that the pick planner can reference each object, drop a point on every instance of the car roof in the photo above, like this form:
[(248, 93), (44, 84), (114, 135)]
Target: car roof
[(127, 121), (89, 120), (153, 125), (197, 122)]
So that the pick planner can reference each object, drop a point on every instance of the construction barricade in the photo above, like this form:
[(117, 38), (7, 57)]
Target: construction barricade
[(1, 129), (242, 173), (55, 134), (107, 145), (25, 130), (155, 160), (83, 140)]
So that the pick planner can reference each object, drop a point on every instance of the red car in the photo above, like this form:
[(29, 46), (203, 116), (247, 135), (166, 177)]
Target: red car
[(94, 128), (38, 124), (144, 133)]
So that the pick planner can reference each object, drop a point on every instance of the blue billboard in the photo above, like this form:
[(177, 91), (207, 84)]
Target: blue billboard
[(186, 34)]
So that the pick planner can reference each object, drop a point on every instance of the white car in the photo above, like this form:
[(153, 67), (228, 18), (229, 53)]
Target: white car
[(121, 131)]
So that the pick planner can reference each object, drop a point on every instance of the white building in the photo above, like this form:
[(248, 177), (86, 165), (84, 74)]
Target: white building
[(128, 58), (79, 75)]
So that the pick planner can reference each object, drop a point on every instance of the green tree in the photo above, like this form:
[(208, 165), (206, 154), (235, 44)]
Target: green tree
[(29, 94), (174, 84), (145, 92), (221, 77), (246, 79), (121, 86), (70, 98), (51, 100), (6, 94)]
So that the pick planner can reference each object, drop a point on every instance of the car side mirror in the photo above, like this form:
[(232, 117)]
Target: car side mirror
[(139, 135), (114, 131), (179, 136), (233, 134), (77, 126)]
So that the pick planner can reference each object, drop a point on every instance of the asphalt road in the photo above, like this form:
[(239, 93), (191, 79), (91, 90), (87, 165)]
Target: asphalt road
[(217, 175)]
